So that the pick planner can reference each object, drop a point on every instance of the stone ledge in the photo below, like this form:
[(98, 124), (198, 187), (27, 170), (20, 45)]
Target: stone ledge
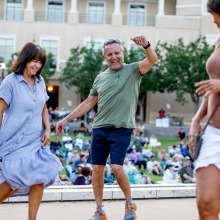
[(112, 192)]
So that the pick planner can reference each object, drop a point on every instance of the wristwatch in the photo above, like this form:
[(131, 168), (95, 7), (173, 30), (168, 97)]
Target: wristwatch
[(147, 46)]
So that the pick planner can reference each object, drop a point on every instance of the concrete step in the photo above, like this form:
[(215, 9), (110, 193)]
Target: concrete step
[(112, 192)]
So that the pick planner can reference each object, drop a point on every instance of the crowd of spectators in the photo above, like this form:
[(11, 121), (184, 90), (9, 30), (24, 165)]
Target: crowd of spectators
[(145, 157)]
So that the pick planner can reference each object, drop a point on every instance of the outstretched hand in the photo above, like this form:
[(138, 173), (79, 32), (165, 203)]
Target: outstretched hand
[(140, 40), (208, 86), (60, 127)]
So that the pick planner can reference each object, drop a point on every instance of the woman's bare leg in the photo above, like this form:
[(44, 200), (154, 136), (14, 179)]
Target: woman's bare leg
[(35, 197), (6, 191), (208, 192)]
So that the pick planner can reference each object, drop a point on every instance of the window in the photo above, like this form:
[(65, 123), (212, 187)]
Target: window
[(6, 48), (14, 10), (136, 15), (55, 11), (98, 43), (96, 13), (51, 46)]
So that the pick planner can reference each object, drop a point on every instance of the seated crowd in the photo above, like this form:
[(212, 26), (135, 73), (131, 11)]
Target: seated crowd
[(144, 159)]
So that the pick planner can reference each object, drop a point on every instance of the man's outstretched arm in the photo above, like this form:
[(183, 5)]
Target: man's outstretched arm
[(151, 58)]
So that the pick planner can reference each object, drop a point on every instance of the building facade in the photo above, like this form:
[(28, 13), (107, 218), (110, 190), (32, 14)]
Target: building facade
[(60, 25)]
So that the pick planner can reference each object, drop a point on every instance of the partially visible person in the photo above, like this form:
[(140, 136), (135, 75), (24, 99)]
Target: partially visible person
[(169, 176), (178, 154), (68, 145), (128, 166), (72, 156), (146, 152), (70, 169), (79, 142), (115, 91), (186, 172), (66, 137), (51, 114), (137, 159), (207, 165), (181, 133), (82, 128), (161, 113), (154, 142), (55, 146), (164, 162), (154, 167), (184, 148), (171, 150), (138, 142), (84, 177), (26, 162), (177, 163)]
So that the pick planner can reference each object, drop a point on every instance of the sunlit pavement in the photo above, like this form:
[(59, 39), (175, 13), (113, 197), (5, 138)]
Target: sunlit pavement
[(148, 209)]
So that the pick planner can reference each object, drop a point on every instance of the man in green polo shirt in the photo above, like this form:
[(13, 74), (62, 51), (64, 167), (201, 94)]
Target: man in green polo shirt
[(116, 92)]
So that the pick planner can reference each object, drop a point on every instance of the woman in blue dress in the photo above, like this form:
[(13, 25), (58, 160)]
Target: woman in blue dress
[(26, 163)]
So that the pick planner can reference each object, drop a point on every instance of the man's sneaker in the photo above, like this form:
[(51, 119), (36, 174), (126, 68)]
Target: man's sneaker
[(130, 213), (99, 215)]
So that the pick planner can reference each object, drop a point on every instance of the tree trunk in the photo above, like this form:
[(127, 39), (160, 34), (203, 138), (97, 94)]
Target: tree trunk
[(141, 105)]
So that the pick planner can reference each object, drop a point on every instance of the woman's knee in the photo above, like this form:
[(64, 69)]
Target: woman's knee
[(207, 206)]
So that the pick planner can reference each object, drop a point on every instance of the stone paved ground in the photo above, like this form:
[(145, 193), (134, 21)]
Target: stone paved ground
[(151, 209)]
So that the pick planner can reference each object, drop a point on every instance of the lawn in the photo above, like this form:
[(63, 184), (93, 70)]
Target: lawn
[(165, 142)]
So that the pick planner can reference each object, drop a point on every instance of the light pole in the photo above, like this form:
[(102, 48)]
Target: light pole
[(2, 68)]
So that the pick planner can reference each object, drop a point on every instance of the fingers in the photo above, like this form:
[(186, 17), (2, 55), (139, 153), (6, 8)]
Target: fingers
[(140, 40), (208, 86), (59, 130), (205, 82), (45, 140)]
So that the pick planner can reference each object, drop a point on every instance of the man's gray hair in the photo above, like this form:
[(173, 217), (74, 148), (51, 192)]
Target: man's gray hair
[(112, 41)]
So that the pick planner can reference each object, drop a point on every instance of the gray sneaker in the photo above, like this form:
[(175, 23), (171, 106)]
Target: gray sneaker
[(99, 215), (130, 212)]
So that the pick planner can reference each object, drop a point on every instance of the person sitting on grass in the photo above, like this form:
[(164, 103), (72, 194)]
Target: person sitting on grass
[(154, 142), (169, 176), (186, 172), (137, 159), (83, 178), (154, 167)]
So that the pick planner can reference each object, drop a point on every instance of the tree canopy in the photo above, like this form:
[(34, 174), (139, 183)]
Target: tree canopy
[(178, 68), (81, 68), (184, 65)]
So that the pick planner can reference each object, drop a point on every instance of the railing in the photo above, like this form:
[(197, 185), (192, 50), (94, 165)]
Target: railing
[(17, 16), (147, 21), (88, 19), (45, 17), (42, 16)]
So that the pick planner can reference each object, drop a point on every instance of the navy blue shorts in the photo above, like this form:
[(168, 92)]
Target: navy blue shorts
[(109, 141)]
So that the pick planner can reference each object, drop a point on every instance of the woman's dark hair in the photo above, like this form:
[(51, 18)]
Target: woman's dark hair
[(85, 171), (31, 51), (213, 6)]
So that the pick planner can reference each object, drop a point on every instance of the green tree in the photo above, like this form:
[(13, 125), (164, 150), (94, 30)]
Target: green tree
[(49, 67), (153, 80), (81, 68), (184, 65)]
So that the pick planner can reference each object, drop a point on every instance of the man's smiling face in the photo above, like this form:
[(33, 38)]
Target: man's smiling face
[(114, 56)]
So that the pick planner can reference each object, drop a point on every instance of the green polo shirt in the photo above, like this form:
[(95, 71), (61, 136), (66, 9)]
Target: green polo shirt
[(117, 93)]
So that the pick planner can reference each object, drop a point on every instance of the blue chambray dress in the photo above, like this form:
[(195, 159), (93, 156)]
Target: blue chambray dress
[(24, 161)]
